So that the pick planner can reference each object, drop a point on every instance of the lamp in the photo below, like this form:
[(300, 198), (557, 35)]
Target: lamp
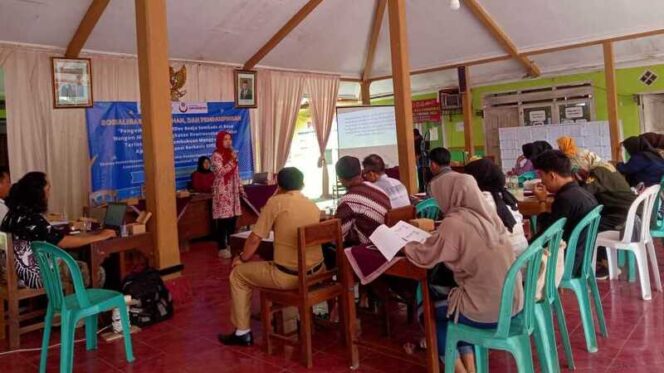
[(455, 4)]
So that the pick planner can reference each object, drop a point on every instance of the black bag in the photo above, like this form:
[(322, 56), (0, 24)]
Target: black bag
[(154, 300)]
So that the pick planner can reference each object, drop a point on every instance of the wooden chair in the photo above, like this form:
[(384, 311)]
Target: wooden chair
[(405, 213), (13, 295), (312, 289)]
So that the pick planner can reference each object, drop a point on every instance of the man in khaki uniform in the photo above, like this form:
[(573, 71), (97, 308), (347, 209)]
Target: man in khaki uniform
[(284, 213)]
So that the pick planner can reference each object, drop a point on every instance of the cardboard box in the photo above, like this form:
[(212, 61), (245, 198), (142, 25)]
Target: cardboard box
[(136, 228), (424, 224)]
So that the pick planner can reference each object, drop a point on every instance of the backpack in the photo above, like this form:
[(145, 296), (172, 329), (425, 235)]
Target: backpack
[(152, 301)]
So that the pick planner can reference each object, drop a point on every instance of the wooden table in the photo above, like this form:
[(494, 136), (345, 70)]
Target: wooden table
[(404, 269), (101, 250), (531, 206)]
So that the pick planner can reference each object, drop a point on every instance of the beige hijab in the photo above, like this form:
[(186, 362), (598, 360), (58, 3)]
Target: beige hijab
[(472, 241)]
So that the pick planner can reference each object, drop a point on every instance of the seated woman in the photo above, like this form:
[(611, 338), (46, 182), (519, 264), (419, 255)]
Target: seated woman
[(27, 202), (524, 161), (491, 181), (473, 243), (656, 140), (583, 160), (645, 165), (203, 178)]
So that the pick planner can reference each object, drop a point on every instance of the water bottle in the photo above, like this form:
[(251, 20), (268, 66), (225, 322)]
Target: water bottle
[(117, 324)]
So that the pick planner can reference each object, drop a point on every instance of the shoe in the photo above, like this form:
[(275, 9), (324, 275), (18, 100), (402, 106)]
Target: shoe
[(602, 273), (225, 253), (236, 340)]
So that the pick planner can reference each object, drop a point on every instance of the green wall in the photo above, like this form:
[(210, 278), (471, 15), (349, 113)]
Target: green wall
[(628, 85)]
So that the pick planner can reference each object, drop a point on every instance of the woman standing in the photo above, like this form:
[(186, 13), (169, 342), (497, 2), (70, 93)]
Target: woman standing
[(226, 191)]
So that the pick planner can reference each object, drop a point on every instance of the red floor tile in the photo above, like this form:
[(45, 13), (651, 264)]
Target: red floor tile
[(188, 342)]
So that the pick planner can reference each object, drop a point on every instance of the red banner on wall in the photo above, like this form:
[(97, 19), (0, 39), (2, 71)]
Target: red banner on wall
[(426, 111)]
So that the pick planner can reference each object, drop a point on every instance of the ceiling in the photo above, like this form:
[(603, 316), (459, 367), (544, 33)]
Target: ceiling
[(334, 37)]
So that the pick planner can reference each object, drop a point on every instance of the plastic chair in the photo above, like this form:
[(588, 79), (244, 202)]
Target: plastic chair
[(545, 337), (83, 304), (512, 333), (586, 281), (526, 176), (643, 249), (428, 209), (657, 227)]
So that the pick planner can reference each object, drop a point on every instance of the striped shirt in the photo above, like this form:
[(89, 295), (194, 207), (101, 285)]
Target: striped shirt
[(361, 210)]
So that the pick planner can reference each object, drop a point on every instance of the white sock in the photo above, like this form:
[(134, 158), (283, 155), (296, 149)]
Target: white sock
[(241, 332)]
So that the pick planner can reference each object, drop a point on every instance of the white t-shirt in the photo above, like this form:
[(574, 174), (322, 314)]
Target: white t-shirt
[(517, 236), (395, 190), (3, 210)]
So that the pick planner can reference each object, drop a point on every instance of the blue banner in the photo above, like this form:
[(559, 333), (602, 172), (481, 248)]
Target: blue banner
[(116, 146)]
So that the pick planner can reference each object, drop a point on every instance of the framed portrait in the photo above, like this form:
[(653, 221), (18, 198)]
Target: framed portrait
[(245, 89), (72, 82)]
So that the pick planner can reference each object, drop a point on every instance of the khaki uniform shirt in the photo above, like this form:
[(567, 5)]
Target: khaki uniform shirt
[(284, 214)]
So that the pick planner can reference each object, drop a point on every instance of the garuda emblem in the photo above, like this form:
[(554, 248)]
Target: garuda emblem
[(178, 79)]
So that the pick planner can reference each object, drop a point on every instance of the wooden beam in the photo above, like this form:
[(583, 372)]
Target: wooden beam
[(467, 102), (365, 92), (530, 53), (152, 42), (373, 38), (501, 37), (612, 99), (282, 33), (402, 97), (88, 23)]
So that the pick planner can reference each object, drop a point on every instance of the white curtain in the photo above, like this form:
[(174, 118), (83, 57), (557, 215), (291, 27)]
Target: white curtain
[(41, 138), (323, 91), (280, 96)]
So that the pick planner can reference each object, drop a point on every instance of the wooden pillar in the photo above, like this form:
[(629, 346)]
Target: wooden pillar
[(365, 91), (467, 102), (152, 41), (402, 94), (612, 100)]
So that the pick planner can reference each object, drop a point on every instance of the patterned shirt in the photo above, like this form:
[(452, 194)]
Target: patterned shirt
[(361, 210), (26, 226)]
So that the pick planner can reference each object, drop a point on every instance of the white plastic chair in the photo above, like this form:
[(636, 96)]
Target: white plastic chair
[(642, 249)]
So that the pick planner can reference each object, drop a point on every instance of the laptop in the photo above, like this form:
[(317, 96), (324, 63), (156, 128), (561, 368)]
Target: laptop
[(114, 217), (260, 178)]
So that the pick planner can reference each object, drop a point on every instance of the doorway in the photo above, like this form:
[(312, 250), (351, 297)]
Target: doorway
[(496, 118), (652, 113)]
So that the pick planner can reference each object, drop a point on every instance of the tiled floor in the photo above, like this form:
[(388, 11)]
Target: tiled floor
[(187, 343)]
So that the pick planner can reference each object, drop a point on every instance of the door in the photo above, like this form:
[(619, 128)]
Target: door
[(652, 108), (494, 119)]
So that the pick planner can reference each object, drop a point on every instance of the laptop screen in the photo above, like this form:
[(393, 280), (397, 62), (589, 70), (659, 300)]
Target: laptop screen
[(115, 213)]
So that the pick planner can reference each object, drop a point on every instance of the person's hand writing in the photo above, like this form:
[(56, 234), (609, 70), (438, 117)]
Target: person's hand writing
[(540, 192)]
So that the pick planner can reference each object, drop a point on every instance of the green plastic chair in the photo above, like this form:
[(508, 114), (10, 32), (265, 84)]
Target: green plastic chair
[(526, 176), (512, 333), (657, 225), (83, 304), (428, 209), (586, 281), (545, 337)]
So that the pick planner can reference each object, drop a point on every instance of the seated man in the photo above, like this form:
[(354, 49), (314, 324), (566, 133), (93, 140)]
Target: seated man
[(374, 172), (362, 209), (571, 200), (439, 163), (284, 213)]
